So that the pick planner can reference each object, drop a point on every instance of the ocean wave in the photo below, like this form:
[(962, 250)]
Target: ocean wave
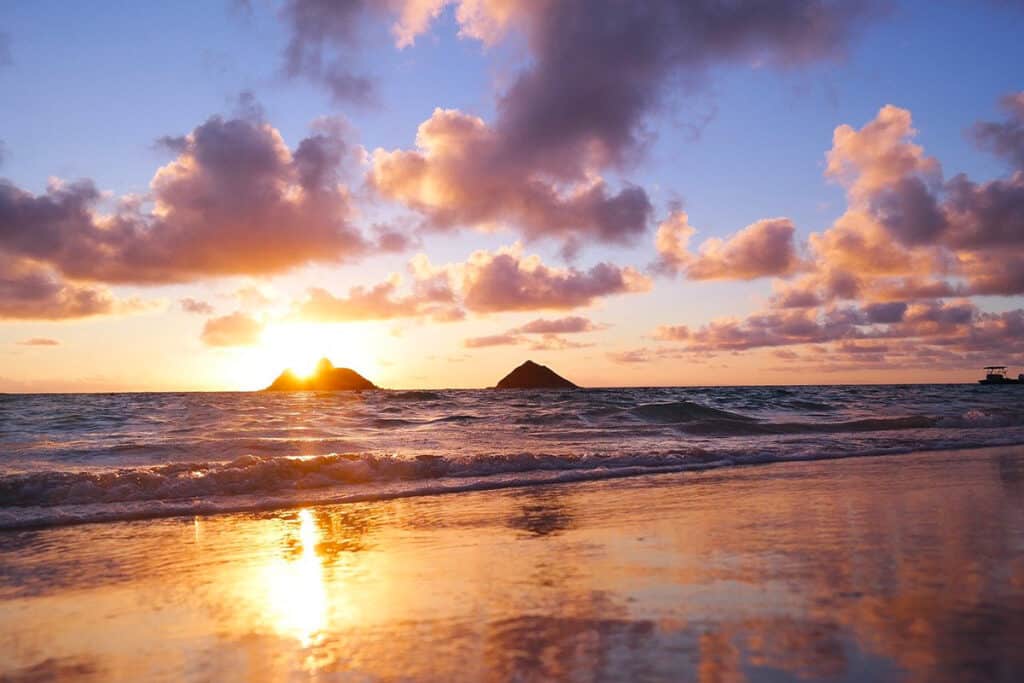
[(260, 474), (255, 484), (698, 419), (414, 395), (685, 411), (149, 455)]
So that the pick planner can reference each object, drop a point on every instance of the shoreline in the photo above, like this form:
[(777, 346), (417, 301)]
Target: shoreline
[(96, 514)]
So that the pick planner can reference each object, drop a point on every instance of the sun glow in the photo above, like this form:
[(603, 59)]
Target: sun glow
[(299, 346), (296, 346)]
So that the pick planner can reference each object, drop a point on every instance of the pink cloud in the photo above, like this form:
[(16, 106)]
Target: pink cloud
[(32, 292), (458, 176), (235, 200), (506, 281), (488, 282), (537, 165), (902, 261), (761, 249)]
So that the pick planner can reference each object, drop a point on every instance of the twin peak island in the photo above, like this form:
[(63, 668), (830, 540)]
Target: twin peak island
[(326, 377)]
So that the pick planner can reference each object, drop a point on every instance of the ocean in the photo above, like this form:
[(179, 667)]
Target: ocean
[(76, 458)]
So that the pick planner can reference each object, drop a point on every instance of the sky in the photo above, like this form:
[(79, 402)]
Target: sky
[(199, 195)]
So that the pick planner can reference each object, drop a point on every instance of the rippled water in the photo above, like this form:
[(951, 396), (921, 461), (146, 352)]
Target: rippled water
[(95, 457)]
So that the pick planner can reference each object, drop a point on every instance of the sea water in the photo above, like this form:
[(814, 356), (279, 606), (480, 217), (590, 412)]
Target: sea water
[(72, 458)]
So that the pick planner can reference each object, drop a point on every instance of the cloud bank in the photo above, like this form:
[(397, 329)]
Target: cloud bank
[(893, 279)]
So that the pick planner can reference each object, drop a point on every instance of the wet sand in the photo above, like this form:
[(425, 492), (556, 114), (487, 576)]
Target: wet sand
[(889, 568)]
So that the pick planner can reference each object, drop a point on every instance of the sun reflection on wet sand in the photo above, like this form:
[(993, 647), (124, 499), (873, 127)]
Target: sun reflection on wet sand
[(296, 592)]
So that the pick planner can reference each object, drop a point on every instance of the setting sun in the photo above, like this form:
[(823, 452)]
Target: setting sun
[(298, 346)]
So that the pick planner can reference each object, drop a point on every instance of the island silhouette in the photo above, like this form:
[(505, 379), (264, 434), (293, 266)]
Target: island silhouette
[(326, 377), (532, 375)]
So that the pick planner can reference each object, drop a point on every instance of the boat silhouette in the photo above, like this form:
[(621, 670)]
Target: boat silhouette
[(996, 374)]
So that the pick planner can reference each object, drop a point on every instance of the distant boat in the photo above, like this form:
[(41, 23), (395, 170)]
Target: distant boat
[(996, 374)]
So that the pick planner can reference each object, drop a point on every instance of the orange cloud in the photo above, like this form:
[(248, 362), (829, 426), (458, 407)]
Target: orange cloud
[(488, 282), (39, 341), (236, 329)]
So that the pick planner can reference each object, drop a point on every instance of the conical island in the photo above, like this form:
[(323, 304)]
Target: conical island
[(325, 378), (532, 375)]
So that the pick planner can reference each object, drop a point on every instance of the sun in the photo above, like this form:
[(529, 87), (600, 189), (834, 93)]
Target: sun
[(297, 346)]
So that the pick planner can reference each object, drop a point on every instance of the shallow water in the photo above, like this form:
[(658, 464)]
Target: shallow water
[(882, 569), (107, 457)]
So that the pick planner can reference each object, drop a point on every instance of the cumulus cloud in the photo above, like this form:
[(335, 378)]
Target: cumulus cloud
[(597, 70), (39, 341), (761, 249), (507, 281), (905, 220), (379, 302), (459, 175), (31, 292), (235, 200), (892, 279), (488, 282), (235, 329), (907, 234), (190, 305), (430, 294)]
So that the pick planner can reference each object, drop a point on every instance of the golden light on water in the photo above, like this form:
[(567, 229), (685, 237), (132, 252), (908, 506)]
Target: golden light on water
[(296, 591)]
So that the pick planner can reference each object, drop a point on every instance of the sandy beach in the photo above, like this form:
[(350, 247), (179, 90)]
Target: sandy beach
[(889, 568)]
